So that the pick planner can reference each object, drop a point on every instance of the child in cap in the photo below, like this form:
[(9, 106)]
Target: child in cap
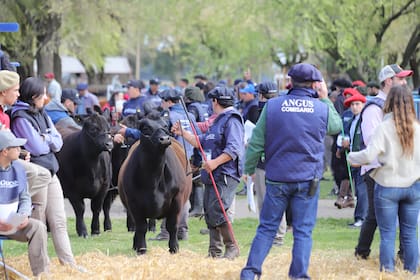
[(352, 141), (15, 204)]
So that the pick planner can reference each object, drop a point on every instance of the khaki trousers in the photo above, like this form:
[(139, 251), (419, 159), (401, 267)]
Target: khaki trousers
[(260, 189), (35, 233), (38, 179)]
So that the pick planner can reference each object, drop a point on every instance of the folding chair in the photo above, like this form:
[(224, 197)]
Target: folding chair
[(8, 269)]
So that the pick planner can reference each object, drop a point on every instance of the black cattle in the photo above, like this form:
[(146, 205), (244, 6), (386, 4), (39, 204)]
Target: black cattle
[(85, 170), (153, 181)]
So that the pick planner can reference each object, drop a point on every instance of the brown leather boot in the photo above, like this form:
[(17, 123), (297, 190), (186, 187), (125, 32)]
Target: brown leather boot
[(348, 202), (216, 245), (232, 249), (339, 202)]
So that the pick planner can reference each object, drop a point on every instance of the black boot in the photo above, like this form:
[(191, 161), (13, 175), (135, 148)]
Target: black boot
[(198, 202), (232, 249), (216, 245)]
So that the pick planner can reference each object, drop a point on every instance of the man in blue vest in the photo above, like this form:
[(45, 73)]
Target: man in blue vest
[(223, 144), (290, 131), (137, 99)]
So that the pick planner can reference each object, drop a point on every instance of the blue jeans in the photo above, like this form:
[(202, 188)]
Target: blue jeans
[(391, 202), (304, 210), (361, 210)]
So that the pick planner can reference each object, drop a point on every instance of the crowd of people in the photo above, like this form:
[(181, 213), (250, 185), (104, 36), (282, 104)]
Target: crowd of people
[(371, 130)]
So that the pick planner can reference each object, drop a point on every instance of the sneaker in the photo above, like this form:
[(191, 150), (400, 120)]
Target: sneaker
[(204, 231), (278, 242), (159, 237), (356, 224)]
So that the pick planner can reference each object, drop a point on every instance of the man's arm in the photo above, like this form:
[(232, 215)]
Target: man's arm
[(335, 123)]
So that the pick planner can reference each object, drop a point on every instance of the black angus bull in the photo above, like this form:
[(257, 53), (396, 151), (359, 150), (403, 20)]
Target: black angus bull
[(85, 171), (153, 181)]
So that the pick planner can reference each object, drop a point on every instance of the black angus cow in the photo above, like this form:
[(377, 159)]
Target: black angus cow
[(85, 171), (118, 155), (153, 181)]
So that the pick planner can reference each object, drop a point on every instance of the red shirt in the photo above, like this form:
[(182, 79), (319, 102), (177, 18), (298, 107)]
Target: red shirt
[(4, 118)]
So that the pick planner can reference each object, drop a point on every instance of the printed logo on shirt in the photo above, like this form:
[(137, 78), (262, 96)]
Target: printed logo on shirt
[(6, 184), (210, 136), (297, 106)]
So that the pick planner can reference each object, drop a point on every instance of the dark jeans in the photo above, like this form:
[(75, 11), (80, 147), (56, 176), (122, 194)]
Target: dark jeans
[(367, 231), (213, 213)]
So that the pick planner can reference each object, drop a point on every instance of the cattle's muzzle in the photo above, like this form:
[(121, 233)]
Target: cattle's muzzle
[(165, 140)]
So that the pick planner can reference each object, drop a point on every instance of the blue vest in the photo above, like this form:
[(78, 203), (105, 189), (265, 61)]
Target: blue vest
[(14, 185), (214, 144), (247, 106), (374, 101), (176, 115), (133, 106), (296, 125), (40, 123), (203, 115)]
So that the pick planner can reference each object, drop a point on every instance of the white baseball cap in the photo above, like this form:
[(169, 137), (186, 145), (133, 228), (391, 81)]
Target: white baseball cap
[(7, 139), (393, 70)]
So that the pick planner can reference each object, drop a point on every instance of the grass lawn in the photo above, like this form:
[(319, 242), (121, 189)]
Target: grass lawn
[(329, 234)]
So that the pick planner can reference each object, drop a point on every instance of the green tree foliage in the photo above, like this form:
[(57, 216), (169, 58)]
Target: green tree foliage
[(219, 38)]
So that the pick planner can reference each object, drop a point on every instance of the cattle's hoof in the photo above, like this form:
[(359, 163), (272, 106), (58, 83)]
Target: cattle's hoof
[(131, 229), (173, 250), (141, 251), (96, 232), (84, 235)]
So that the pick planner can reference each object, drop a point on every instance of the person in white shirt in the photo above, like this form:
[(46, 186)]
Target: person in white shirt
[(394, 144)]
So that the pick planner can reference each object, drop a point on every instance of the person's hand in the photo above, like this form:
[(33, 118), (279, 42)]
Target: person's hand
[(118, 138), (338, 154), (4, 226), (345, 143), (322, 89), (122, 129), (176, 128), (210, 165), (252, 177), (23, 224)]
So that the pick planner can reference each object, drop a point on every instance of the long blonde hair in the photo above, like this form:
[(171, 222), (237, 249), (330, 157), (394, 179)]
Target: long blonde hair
[(400, 103)]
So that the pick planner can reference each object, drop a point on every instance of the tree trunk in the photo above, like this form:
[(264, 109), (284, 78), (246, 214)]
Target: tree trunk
[(355, 74), (44, 61)]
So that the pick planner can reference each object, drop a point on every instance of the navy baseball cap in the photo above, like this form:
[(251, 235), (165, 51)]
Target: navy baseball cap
[(72, 94), (222, 93), (170, 94), (135, 84), (304, 72), (154, 81), (82, 86)]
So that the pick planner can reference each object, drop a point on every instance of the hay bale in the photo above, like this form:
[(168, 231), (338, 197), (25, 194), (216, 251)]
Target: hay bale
[(158, 263)]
